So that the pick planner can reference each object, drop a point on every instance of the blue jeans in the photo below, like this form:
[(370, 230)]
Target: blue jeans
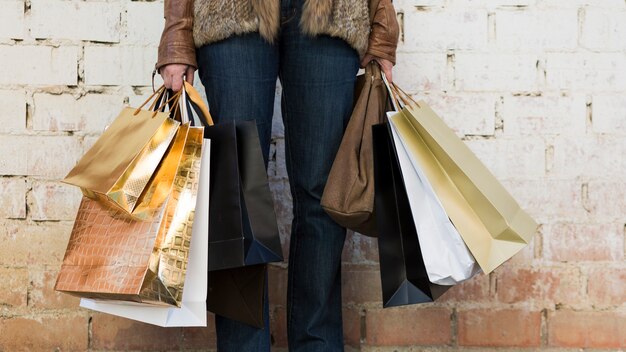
[(317, 75)]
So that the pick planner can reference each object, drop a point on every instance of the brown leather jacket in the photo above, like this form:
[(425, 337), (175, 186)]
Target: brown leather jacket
[(177, 40)]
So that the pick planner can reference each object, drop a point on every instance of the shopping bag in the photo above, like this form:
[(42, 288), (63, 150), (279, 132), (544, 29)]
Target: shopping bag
[(243, 228), (349, 192), (192, 310), (447, 259), (118, 167), (403, 275), (238, 293), (491, 223), (112, 256)]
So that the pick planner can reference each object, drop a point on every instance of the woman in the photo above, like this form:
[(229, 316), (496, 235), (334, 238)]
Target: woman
[(314, 47)]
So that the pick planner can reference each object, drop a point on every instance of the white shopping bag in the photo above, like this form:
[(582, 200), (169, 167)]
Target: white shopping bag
[(193, 309), (447, 259)]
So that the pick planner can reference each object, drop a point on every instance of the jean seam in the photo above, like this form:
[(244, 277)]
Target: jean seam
[(293, 238)]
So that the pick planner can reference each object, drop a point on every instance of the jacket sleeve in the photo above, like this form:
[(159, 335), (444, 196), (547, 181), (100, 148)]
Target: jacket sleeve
[(177, 45), (383, 39)]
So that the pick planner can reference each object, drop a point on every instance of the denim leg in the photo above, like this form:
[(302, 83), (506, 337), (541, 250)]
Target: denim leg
[(317, 76), (239, 75)]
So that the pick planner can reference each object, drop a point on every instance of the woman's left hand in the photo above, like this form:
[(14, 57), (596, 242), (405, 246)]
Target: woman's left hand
[(385, 65)]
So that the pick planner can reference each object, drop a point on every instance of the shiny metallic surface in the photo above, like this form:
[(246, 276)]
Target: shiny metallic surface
[(113, 256), (122, 161)]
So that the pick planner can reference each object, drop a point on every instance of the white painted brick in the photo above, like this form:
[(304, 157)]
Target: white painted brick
[(467, 114), (603, 30), (445, 29), (13, 155), (548, 200), (537, 30), (277, 167), (615, 4), (544, 115), (491, 4), (606, 201), (495, 72), (46, 156), (278, 128), (408, 4), (13, 198), (421, 72), (90, 113), (13, 112), (54, 201), (74, 20), (512, 158), (88, 142), (119, 65), (38, 65), (144, 22), (599, 72), (609, 114), (600, 156), (12, 19)]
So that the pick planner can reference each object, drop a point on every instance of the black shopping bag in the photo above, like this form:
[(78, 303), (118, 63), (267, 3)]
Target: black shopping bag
[(402, 271), (238, 293), (242, 223)]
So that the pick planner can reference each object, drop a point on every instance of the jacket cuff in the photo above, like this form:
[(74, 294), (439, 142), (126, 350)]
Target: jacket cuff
[(382, 55), (383, 39), (176, 54)]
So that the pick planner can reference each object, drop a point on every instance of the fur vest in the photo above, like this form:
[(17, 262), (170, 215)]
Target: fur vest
[(218, 19)]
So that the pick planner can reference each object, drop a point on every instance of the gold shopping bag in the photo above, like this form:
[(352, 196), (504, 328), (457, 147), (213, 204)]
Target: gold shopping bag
[(113, 256), (120, 164), (490, 221)]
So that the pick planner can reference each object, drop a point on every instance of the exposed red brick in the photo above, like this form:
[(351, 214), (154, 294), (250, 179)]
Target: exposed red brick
[(607, 286), (361, 284), (199, 337), (492, 327), (278, 327), (352, 327), (43, 295), (405, 326), (555, 285), (606, 329), (277, 285), (14, 287), (45, 333), (360, 249), (115, 333), (475, 289)]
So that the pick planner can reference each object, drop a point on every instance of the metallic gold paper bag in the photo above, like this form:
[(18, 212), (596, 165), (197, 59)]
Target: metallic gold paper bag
[(113, 256), (120, 164), (491, 223)]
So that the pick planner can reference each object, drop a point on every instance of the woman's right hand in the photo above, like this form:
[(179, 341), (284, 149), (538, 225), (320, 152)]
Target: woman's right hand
[(173, 75)]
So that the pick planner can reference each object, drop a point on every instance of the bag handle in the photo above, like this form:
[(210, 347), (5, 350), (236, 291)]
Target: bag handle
[(197, 104), (158, 105), (392, 94), (159, 93), (405, 97)]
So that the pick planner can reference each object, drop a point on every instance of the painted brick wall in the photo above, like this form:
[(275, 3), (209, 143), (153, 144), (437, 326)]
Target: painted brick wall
[(537, 88)]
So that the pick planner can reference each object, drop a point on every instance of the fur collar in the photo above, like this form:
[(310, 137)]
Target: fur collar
[(218, 19)]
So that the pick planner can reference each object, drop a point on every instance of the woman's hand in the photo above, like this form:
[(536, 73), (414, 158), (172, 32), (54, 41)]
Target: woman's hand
[(385, 65), (173, 75)]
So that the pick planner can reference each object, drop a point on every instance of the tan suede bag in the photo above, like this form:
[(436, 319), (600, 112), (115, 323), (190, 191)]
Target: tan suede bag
[(349, 193)]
